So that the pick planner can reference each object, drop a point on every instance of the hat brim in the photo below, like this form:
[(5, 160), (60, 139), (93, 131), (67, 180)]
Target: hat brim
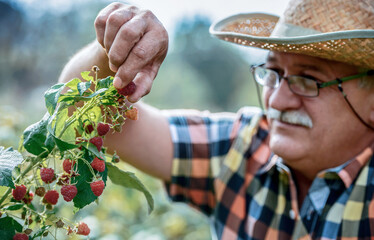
[(355, 47)]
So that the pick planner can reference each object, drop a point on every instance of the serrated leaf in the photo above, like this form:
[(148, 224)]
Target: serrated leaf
[(85, 195), (9, 159), (129, 180), (51, 97), (105, 83), (35, 136), (73, 86), (8, 227), (85, 75)]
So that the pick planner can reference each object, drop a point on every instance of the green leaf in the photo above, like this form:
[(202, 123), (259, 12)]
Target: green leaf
[(9, 159), (105, 83), (51, 97), (35, 136), (8, 227), (59, 118), (83, 86), (85, 75), (14, 207), (73, 86), (85, 195), (129, 180)]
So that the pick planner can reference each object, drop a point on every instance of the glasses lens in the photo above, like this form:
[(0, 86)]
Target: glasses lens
[(303, 86), (266, 77)]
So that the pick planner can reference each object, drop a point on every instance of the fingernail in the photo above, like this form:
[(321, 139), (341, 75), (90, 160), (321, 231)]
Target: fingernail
[(112, 67), (117, 83)]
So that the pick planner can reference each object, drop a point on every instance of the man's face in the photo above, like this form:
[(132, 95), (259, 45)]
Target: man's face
[(336, 135)]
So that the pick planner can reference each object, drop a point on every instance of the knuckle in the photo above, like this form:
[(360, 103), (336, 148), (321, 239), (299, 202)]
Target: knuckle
[(100, 21), (115, 58), (115, 18), (147, 14), (130, 33), (139, 52), (116, 5)]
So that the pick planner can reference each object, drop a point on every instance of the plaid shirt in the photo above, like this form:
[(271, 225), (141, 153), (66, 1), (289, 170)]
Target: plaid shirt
[(223, 166)]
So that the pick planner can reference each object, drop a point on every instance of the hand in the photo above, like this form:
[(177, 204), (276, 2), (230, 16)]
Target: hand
[(136, 43)]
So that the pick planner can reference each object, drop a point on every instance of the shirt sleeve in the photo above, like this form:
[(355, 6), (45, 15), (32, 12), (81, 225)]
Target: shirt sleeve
[(201, 141)]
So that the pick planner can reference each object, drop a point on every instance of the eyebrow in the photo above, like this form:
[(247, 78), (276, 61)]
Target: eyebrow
[(313, 67)]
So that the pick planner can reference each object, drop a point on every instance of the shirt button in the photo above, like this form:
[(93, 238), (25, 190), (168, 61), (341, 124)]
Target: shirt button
[(292, 214)]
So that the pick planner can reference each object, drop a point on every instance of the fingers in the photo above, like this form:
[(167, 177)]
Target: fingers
[(125, 40), (101, 19), (114, 22)]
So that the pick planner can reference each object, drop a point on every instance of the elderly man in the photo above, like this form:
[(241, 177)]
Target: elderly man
[(301, 170)]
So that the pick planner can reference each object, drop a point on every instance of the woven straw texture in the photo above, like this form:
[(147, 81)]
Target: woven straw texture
[(325, 16)]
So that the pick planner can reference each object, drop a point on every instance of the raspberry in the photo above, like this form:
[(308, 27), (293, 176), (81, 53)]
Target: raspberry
[(98, 164), (132, 113), (20, 236), (83, 229), (40, 191), (98, 142), (89, 128), (128, 90), (28, 198), (67, 165), (97, 187), (47, 174), (69, 192), (103, 128), (19, 192), (51, 197)]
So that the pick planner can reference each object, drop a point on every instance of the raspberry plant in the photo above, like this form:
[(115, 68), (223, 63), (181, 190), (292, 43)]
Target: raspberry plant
[(61, 159)]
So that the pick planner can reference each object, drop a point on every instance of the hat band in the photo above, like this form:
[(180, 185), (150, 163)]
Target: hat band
[(283, 29)]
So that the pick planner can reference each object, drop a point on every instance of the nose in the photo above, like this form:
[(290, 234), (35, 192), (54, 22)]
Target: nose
[(282, 98)]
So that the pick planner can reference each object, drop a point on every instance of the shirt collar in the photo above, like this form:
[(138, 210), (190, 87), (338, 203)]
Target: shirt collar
[(347, 171)]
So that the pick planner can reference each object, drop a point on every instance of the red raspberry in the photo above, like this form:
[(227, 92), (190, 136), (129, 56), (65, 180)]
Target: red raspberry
[(40, 191), (98, 142), (128, 90), (103, 128), (28, 198), (132, 114), (67, 165), (97, 187), (47, 174), (19, 192), (51, 197), (20, 236), (83, 229), (69, 192), (98, 164), (89, 128)]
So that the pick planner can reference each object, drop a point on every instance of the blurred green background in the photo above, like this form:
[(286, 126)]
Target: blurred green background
[(200, 72)]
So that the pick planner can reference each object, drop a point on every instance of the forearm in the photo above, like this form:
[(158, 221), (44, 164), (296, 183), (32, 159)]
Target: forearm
[(91, 55)]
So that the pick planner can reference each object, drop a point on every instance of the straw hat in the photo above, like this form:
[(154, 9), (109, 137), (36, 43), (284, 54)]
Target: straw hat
[(341, 30)]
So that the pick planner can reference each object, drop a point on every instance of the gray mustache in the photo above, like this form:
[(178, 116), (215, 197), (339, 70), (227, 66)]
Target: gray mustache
[(292, 117)]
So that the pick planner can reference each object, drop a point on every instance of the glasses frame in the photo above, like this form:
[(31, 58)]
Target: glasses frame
[(337, 81)]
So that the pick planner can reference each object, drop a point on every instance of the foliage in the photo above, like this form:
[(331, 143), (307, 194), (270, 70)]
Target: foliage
[(58, 138)]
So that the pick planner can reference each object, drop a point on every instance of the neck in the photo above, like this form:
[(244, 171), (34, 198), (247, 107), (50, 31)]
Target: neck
[(303, 184)]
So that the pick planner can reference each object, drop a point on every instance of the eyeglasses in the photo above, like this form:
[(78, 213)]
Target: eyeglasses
[(302, 86)]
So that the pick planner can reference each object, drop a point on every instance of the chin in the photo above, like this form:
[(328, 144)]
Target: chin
[(288, 148)]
